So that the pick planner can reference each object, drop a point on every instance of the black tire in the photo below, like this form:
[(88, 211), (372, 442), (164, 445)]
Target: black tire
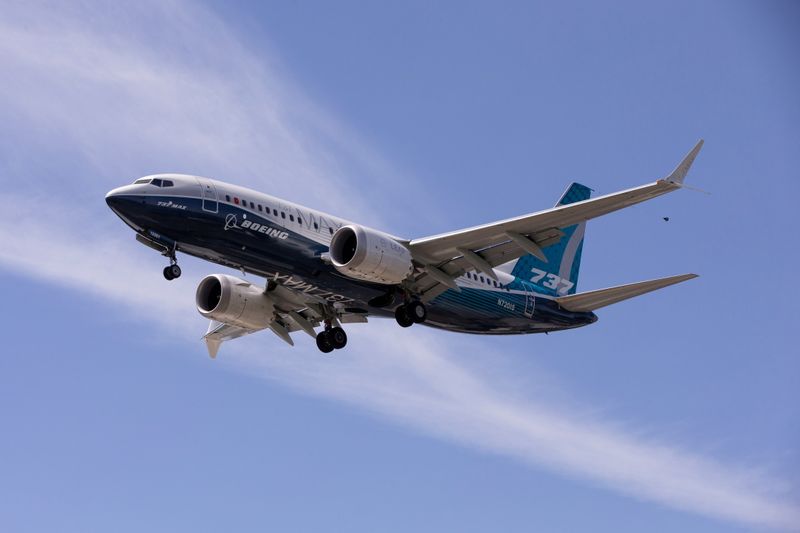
[(401, 315), (338, 338), (324, 342), (168, 274), (416, 311), (175, 270)]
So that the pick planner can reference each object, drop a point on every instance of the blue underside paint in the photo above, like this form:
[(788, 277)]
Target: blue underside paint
[(280, 249)]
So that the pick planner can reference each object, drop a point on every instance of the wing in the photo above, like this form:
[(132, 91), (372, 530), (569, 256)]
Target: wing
[(445, 257), (294, 311)]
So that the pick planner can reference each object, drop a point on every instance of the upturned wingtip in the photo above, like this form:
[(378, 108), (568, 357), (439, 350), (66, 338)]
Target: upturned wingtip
[(677, 176)]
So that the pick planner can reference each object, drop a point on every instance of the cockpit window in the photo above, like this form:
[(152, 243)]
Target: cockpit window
[(166, 183), (141, 181), (156, 182)]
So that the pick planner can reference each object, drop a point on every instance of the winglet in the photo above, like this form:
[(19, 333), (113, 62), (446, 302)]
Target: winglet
[(212, 342), (213, 347), (682, 169)]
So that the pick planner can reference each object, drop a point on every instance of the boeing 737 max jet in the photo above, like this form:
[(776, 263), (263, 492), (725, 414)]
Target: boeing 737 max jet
[(513, 276)]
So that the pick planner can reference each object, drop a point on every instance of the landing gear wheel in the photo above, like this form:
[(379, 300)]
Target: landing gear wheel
[(168, 273), (416, 311), (175, 270), (324, 342), (337, 338), (402, 317)]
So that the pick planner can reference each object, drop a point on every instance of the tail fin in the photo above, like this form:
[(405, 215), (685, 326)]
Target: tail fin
[(559, 274)]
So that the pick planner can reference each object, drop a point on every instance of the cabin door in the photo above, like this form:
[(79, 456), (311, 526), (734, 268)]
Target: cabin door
[(209, 192)]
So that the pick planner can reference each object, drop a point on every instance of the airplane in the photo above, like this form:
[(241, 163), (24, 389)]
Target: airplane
[(514, 276)]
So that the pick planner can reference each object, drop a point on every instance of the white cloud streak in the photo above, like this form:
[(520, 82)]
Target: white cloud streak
[(116, 92)]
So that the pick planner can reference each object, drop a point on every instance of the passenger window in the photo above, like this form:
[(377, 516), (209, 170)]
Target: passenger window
[(291, 217), (275, 212), (283, 214), (259, 207), (227, 197), (299, 220), (156, 182), (236, 200), (330, 230), (481, 279), (252, 205), (316, 226)]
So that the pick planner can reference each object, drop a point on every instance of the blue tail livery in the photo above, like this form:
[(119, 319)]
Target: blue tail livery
[(558, 274)]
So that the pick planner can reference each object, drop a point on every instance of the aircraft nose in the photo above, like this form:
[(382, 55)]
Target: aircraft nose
[(113, 197), (123, 200)]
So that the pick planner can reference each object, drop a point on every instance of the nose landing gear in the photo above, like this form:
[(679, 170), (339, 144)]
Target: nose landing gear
[(172, 271)]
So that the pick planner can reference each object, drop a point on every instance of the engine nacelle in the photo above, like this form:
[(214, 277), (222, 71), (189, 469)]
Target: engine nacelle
[(234, 301), (366, 254)]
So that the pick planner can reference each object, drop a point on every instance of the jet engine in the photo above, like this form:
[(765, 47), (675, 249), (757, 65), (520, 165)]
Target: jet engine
[(234, 301), (366, 254)]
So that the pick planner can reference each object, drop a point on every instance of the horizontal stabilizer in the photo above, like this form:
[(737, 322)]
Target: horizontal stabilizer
[(589, 301)]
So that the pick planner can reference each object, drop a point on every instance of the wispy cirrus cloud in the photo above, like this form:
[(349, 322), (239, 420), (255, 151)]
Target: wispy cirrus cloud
[(138, 89)]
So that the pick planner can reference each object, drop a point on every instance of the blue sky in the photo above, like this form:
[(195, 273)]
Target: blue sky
[(676, 411)]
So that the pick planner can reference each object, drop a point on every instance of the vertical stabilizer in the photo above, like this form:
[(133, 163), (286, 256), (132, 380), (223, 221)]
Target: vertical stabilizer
[(559, 274)]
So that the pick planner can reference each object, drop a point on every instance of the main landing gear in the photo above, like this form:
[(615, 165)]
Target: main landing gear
[(330, 339), (413, 312)]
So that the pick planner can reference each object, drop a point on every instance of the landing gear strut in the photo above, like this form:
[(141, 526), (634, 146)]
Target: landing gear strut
[(413, 312), (331, 339)]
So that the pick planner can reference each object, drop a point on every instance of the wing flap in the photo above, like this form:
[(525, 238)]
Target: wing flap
[(592, 300)]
